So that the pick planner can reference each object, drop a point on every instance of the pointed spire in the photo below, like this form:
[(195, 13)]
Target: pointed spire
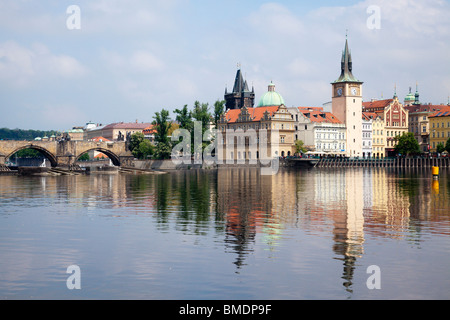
[(395, 91), (416, 95), (346, 65)]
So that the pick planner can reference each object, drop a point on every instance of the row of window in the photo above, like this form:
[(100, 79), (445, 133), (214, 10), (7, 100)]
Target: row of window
[(442, 134), (442, 124)]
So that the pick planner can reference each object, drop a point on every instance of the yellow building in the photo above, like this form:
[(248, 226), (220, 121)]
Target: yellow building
[(439, 128)]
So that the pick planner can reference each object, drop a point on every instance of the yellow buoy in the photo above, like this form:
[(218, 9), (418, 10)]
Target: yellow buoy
[(435, 171)]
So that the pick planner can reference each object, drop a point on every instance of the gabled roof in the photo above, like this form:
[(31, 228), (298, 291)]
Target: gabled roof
[(256, 114), (371, 106), (369, 115)]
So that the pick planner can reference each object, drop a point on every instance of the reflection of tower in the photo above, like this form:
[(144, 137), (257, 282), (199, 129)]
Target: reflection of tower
[(349, 223)]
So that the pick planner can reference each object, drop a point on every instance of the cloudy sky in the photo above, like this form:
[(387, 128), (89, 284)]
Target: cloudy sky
[(129, 59)]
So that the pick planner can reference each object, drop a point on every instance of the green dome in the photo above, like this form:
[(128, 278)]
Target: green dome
[(271, 98), (410, 97)]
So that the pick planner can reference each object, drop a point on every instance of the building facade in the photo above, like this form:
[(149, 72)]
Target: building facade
[(116, 131), (367, 129), (439, 128), (395, 118), (419, 123), (252, 134)]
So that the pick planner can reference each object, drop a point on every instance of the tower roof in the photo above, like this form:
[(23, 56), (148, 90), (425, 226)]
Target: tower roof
[(240, 85), (346, 66)]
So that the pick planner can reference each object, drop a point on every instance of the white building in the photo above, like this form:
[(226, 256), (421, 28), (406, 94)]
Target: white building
[(367, 135)]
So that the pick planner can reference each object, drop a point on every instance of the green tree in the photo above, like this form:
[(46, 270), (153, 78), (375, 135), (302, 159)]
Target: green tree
[(135, 140), (218, 110), (162, 125), (145, 150), (201, 113), (447, 145), (184, 118), (84, 157), (407, 144), (440, 147), (299, 146)]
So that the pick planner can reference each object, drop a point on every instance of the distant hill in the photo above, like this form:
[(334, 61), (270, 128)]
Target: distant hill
[(20, 134)]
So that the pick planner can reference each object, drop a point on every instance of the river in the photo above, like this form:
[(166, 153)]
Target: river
[(343, 233)]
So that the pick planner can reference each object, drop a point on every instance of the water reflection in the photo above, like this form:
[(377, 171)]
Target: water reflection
[(246, 212)]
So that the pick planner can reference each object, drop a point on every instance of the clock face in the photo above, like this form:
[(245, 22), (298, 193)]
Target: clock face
[(354, 91), (339, 91)]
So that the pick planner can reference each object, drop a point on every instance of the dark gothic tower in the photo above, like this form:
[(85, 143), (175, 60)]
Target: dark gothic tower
[(241, 95)]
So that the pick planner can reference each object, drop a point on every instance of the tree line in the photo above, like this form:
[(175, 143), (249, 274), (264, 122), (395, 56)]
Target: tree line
[(164, 126), (20, 134)]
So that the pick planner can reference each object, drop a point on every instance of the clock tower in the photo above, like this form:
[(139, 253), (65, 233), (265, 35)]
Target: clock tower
[(346, 104)]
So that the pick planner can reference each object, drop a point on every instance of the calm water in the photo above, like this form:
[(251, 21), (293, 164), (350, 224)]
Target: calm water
[(227, 234)]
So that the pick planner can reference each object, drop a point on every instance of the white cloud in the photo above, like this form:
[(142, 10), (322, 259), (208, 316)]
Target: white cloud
[(20, 65)]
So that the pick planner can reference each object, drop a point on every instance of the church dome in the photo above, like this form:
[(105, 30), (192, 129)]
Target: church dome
[(271, 97), (410, 97)]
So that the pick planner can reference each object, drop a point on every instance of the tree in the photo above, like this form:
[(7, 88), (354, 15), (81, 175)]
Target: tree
[(144, 150), (135, 140), (184, 118), (201, 113), (447, 145), (407, 144), (218, 110), (162, 125), (299, 146), (440, 147)]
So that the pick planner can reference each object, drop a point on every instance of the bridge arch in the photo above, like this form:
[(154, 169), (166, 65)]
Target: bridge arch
[(111, 155), (50, 156)]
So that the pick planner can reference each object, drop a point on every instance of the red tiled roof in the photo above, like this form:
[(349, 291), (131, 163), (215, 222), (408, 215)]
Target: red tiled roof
[(149, 130), (256, 114), (100, 139), (377, 104), (369, 115), (425, 108), (444, 112), (316, 114)]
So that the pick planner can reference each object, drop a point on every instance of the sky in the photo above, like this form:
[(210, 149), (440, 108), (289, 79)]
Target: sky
[(111, 61)]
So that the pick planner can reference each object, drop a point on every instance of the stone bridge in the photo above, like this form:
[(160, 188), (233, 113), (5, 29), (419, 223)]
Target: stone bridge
[(66, 153)]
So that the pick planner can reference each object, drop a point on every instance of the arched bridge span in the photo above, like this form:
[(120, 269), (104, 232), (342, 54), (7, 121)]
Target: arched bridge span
[(66, 153)]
